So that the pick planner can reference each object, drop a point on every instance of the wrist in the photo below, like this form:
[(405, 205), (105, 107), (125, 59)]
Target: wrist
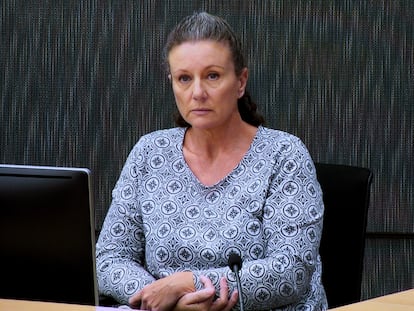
[(183, 282)]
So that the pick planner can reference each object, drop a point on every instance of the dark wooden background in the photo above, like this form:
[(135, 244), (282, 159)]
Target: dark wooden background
[(81, 81)]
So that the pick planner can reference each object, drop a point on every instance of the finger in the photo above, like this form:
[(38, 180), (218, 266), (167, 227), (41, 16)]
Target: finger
[(232, 301), (135, 300), (224, 302), (207, 293), (206, 281), (143, 306), (228, 304), (224, 289), (209, 290), (198, 296)]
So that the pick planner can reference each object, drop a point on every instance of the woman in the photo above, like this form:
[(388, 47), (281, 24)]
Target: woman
[(218, 183)]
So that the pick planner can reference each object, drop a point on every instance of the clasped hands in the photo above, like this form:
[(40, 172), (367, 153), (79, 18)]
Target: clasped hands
[(177, 293)]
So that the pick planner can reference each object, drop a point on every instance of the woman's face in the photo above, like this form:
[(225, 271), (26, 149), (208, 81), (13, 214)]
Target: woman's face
[(205, 85)]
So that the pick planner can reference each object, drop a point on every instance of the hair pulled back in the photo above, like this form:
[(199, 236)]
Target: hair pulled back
[(204, 26)]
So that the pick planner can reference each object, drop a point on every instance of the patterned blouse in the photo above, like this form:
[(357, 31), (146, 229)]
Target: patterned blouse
[(269, 210)]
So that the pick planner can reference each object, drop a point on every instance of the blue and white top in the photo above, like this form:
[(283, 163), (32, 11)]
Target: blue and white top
[(269, 210)]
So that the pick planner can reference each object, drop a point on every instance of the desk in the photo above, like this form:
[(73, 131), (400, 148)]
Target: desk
[(401, 301), (25, 305)]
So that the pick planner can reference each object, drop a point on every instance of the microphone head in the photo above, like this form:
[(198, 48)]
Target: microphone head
[(234, 260)]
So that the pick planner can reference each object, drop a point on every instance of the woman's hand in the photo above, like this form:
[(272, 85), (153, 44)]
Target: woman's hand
[(164, 293), (203, 300)]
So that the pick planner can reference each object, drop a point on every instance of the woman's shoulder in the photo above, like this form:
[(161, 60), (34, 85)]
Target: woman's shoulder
[(276, 136), (283, 146), (162, 138), (169, 132), (280, 142), (157, 142)]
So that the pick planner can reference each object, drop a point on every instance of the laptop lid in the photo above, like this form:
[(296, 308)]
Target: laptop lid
[(47, 236)]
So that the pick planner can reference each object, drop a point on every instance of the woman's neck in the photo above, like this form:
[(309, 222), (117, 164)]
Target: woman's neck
[(212, 157), (211, 143)]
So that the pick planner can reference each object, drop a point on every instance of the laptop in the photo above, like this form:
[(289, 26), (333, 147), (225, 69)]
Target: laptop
[(47, 234)]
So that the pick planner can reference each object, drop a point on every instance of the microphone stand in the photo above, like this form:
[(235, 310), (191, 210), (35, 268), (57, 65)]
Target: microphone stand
[(235, 264), (236, 272)]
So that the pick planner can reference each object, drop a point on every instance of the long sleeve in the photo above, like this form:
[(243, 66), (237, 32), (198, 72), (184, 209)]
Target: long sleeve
[(269, 209), (120, 249), (285, 269)]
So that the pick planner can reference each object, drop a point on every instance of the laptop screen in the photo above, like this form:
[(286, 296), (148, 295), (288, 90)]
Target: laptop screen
[(47, 237)]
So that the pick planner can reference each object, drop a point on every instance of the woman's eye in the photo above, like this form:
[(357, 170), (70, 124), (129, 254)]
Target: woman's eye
[(213, 76), (183, 78)]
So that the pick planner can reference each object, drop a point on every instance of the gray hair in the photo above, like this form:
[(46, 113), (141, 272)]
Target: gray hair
[(204, 26)]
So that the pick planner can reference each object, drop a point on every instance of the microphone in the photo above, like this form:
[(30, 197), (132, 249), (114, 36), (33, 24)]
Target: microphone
[(235, 264)]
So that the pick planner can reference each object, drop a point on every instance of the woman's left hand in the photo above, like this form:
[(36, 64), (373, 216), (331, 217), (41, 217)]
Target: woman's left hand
[(164, 293), (203, 300)]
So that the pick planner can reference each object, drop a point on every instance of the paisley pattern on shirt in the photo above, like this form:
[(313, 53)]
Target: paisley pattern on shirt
[(269, 210)]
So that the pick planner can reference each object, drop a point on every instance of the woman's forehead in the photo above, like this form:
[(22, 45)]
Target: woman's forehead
[(204, 52)]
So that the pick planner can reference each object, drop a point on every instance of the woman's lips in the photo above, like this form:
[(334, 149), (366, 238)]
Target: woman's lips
[(201, 111)]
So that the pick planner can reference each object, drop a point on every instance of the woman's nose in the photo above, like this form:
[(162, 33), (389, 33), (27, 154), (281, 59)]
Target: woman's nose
[(199, 91)]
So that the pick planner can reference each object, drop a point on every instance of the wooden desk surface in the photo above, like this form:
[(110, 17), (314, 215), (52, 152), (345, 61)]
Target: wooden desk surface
[(24, 305), (401, 301)]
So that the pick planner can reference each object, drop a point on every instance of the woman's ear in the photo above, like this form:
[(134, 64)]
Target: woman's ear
[(169, 76), (243, 81)]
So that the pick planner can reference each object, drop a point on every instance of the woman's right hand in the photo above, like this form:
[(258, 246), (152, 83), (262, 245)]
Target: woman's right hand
[(203, 300)]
